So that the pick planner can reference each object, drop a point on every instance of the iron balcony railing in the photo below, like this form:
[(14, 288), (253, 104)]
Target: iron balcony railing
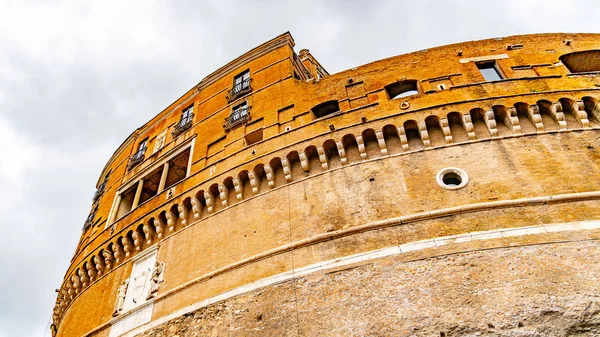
[(137, 158), (239, 89), (90, 220), (184, 124), (237, 117)]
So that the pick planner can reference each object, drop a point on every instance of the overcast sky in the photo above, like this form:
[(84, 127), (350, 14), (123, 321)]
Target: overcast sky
[(76, 78)]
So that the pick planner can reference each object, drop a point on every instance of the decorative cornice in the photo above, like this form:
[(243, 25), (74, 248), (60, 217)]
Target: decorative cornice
[(267, 47)]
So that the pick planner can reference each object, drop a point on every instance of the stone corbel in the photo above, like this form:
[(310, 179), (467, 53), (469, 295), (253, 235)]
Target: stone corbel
[(381, 142), (269, 174), (253, 182), (403, 138), (468, 125), (303, 161), (196, 207), (171, 220), (446, 130), (148, 233), (223, 194), (160, 227), (424, 134), (342, 153), (83, 277), (556, 111), (490, 122), (237, 186), (118, 252), (100, 265), (209, 201), (109, 258), (183, 214), (138, 240), (534, 116), (91, 270), (322, 158), (287, 170), (127, 246), (75, 284), (512, 120), (361, 147), (578, 110), (593, 109)]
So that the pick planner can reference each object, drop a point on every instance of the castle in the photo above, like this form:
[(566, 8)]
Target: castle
[(452, 191)]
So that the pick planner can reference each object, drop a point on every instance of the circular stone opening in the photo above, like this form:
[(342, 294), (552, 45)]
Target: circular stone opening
[(452, 178)]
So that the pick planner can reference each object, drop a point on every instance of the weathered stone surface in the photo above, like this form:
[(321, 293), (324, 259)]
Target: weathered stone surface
[(538, 291)]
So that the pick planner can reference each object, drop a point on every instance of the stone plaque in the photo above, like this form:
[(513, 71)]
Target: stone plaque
[(139, 282), (132, 320)]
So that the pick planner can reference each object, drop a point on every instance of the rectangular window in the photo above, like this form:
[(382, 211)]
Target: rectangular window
[(489, 71), (241, 81), (187, 114), (142, 146)]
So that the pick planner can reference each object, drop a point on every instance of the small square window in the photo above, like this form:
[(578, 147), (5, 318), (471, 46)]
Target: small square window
[(489, 71), (441, 87)]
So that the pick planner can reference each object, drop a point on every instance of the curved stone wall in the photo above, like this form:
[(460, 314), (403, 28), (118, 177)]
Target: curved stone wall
[(314, 219)]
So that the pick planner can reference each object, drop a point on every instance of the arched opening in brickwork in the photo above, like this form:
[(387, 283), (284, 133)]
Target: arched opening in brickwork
[(332, 154), (139, 239), (187, 204), (202, 206), (478, 119), (392, 139), (402, 89), (592, 108), (545, 108), (326, 108), (261, 178), (371, 144), (501, 116), (174, 211), (151, 228), (436, 135), (217, 202), (312, 156), (524, 118), (351, 148), (457, 129), (295, 166), (278, 175), (582, 61), (231, 194), (413, 135), (245, 185)]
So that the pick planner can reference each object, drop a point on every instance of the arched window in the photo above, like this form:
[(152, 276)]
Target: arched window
[(402, 89), (582, 61), (326, 108)]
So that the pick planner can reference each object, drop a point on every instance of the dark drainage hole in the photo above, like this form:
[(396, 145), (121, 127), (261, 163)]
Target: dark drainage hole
[(451, 179)]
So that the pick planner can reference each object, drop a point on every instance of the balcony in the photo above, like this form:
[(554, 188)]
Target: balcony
[(238, 117), (99, 192), (239, 90), (184, 124), (137, 158)]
